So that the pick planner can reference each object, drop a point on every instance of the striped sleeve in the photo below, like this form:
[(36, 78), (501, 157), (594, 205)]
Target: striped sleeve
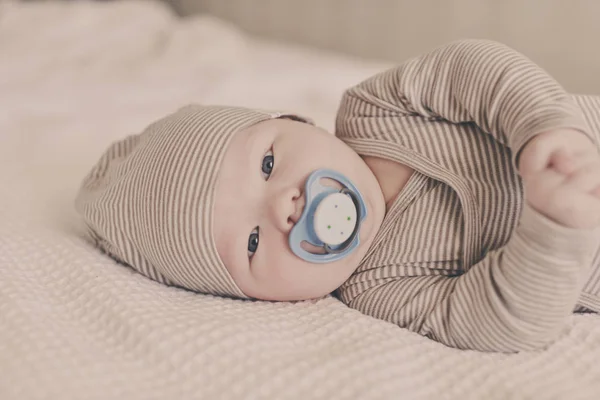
[(478, 81), (515, 299), (518, 296)]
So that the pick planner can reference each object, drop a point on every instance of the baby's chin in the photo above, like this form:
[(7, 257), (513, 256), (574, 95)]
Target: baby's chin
[(280, 297), (306, 281)]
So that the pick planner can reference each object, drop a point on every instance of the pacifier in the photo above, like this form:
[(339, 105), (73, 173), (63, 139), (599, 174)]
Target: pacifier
[(331, 218)]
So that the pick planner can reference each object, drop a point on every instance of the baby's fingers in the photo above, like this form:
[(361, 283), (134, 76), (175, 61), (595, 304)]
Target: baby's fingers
[(588, 219), (568, 163), (586, 178)]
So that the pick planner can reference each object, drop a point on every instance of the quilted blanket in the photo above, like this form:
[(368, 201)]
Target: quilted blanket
[(75, 76)]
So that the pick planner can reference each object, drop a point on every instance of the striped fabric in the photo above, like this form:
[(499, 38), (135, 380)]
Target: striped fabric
[(148, 201), (460, 257)]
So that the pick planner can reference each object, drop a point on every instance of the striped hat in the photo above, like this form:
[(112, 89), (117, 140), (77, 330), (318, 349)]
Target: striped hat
[(148, 202)]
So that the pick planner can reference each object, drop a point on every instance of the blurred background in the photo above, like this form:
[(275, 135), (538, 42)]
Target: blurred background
[(561, 36), (91, 72)]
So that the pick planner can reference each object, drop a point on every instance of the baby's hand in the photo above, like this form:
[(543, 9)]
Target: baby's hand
[(561, 177)]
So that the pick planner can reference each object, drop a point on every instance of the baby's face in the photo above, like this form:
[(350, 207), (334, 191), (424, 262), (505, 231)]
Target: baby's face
[(260, 196)]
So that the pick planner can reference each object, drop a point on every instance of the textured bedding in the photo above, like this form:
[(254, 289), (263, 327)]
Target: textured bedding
[(75, 76)]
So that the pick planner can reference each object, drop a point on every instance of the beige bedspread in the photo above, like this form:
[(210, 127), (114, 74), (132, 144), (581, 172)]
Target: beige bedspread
[(74, 325)]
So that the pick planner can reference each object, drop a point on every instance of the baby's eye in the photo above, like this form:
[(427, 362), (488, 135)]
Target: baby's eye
[(253, 242), (268, 163)]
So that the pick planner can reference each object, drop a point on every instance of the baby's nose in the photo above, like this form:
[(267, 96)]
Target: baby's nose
[(298, 209), (287, 207)]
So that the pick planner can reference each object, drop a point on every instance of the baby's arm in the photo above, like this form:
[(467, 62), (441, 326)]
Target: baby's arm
[(518, 297), (479, 81), (515, 299)]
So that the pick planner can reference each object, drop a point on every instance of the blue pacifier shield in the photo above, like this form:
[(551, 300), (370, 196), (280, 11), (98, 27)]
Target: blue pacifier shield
[(331, 218)]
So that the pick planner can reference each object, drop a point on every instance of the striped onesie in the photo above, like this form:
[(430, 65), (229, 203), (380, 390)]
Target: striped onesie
[(460, 257)]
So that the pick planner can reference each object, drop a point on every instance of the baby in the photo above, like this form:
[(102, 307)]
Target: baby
[(459, 198)]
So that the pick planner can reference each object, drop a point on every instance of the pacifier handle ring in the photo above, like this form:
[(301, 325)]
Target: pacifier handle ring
[(329, 250)]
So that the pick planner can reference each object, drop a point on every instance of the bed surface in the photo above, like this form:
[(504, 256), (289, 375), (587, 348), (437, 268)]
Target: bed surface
[(74, 324)]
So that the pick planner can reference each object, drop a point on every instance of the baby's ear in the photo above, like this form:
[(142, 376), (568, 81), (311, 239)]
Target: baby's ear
[(298, 118), (293, 118)]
